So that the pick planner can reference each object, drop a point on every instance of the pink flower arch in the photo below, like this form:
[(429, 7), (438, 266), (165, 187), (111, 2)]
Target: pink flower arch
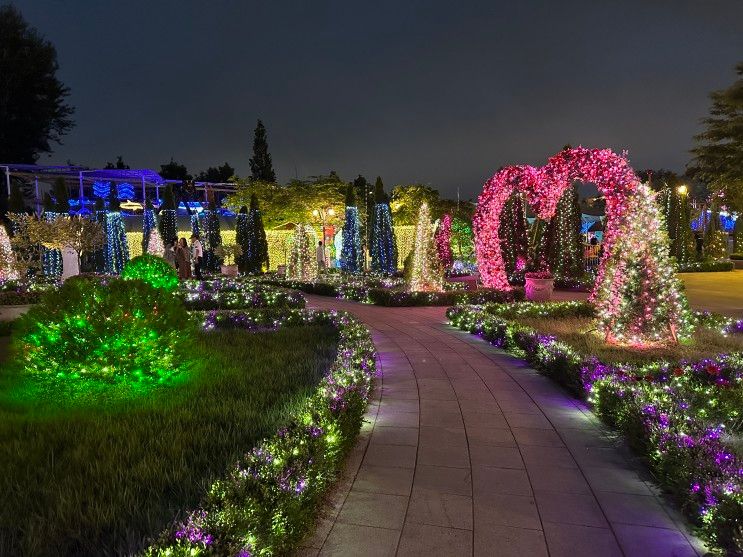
[(629, 205)]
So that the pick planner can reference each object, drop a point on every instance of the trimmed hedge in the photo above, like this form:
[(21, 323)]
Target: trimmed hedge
[(669, 412), (707, 267), (394, 297)]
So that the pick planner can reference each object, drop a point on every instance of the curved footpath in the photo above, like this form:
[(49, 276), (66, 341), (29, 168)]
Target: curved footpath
[(467, 451)]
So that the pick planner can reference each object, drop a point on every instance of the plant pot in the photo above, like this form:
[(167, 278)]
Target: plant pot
[(229, 270), (539, 289), (10, 313)]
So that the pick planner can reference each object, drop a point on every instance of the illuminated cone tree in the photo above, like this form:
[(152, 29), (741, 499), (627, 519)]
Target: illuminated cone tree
[(351, 254), (564, 245), (7, 258), (155, 245), (383, 247), (251, 237), (426, 273), (302, 262), (514, 238), (443, 242)]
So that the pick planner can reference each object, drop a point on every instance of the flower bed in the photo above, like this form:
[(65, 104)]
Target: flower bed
[(267, 500), (674, 413), (237, 294), (398, 297)]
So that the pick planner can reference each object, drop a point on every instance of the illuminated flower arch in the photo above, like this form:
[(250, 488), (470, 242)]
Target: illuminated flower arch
[(637, 295)]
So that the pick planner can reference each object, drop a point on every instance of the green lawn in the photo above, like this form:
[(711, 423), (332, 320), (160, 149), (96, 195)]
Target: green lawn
[(100, 476)]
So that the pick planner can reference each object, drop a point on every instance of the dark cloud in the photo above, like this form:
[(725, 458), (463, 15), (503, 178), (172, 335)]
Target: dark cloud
[(438, 92)]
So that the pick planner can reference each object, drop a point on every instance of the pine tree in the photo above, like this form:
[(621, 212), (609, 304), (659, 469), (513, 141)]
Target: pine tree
[(61, 196), (302, 264), (351, 254), (168, 217), (383, 246), (515, 240), (718, 156), (426, 272), (212, 238), (261, 167), (251, 237), (563, 241), (443, 242)]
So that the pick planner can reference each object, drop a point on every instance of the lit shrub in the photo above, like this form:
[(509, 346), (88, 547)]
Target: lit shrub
[(153, 270), (123, 330)]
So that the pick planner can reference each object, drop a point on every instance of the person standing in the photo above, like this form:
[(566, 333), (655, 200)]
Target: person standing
[(320, 254), (183, 259), (169, 254), (197, 255)]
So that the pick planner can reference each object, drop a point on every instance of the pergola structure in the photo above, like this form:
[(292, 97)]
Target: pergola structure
[(79, 177)]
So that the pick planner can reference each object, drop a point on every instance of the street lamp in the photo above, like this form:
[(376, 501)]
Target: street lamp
[(682, 189)]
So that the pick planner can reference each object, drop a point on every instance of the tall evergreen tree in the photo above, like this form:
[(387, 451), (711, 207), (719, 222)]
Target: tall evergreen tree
[(718, 156), (351, 254), (564, 242), (383, 246), (261, 167), (515, 240), (251, 237), (33, 111), (61, 196)]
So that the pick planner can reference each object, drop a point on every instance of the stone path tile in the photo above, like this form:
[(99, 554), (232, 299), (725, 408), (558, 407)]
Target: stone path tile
[(468, 451)]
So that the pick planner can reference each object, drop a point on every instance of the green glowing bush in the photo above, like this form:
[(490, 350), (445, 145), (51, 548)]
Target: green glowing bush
[(153, 270), (123, 330)]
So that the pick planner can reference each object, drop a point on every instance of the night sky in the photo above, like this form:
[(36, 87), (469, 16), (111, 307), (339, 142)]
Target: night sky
[(437, 92)]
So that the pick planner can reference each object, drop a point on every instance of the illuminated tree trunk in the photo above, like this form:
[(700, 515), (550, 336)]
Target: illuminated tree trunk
[(426, 272)]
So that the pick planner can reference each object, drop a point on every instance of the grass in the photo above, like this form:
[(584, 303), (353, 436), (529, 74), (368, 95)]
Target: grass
[(102, 479), (580, 333)]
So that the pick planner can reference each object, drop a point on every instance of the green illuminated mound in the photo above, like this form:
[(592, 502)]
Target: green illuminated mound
[(125, 330), (105, 479), (153, 270)]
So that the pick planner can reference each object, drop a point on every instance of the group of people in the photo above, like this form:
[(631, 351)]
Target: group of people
[(182, 256)]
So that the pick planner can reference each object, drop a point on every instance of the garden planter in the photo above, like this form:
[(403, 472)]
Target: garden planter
[(10, 313), (539, 289), (229, 270)]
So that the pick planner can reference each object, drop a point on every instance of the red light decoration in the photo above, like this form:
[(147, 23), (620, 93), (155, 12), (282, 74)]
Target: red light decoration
[(637, 294)]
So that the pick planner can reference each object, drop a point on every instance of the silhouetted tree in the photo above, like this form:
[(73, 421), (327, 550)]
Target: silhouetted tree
[(261, 167), (33, 112), (174, 171), (216, 175)]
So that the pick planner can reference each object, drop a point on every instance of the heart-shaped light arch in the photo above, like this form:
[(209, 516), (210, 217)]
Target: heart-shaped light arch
[(637, 294)]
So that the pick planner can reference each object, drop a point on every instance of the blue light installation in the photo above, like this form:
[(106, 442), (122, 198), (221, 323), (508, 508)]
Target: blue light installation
[(102, 189), (117, 247), (149, 222), (51, 259), (351, 255), (383, 246), (124, 191)]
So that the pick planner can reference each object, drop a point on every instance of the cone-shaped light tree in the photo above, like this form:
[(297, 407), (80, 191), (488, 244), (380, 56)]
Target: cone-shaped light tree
[(563, 238), (351, 254), (383, 247), (149, 223), (426, 273), (117, 246), (168, 217), (302, 263), (715, 239), (51, 259), (515, 240), (7, 257), (155, 245), (443, 242), (212, 239), (251, 237)]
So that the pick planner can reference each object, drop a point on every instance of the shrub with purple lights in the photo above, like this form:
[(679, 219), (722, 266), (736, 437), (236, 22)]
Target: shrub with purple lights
[(153, 270), (265, 503), (678, 415), (233, 294), (122, 330)]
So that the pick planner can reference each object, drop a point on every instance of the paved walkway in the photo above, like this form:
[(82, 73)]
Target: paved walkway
[(466, 451)]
